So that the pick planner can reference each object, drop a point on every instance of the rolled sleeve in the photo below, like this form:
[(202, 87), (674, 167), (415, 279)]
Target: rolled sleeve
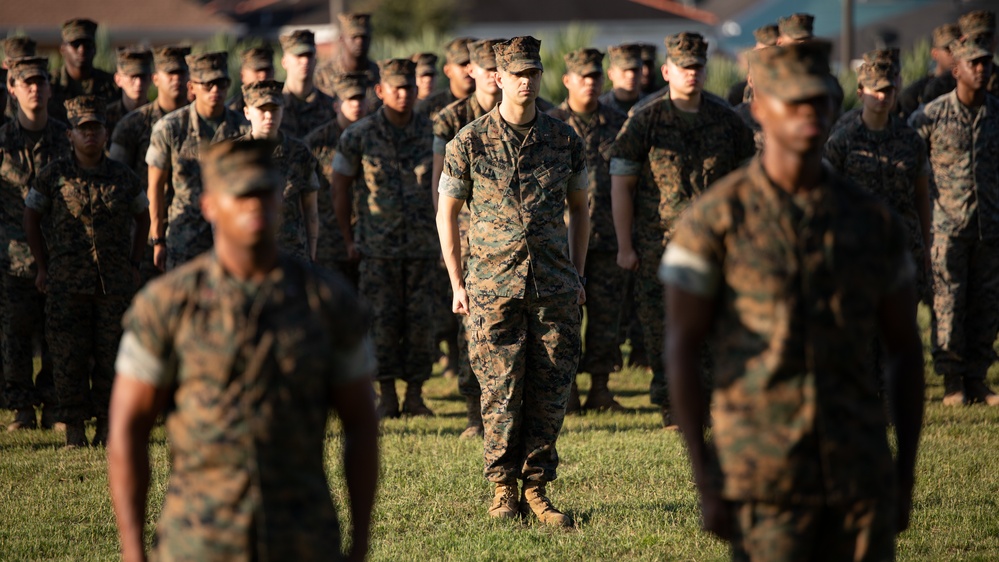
[(579, 181), (689, 271), (136, 362), (345, 166), (158, 153), (356, 363), (38, 201), (455, 188), (440, 145), (623, 167), (139, 204)]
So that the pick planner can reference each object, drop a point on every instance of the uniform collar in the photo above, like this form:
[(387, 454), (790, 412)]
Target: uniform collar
[(539, 133)]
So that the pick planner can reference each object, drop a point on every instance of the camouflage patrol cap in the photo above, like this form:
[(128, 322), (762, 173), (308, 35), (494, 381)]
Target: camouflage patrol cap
[(354, 24), (584, 62), (398, 72), (350, 84), (792, 72), (133, 61), (263, 92), (976, 22), (891, 56), (78, 28), (171, 58), (258, 58), (971, 47), (518, 54), (626, 56), (649, 52), (85, 109), (456, 52), (482, 53), (767, 35), (946, 34), (426, 63), (877, 73), (299, 42), (240, 167), (796, 26), (27, 67), (207, 67), (19, 47), (687, 49)]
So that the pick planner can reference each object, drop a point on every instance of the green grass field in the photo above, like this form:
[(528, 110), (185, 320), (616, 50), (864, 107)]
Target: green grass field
[(625, 480)]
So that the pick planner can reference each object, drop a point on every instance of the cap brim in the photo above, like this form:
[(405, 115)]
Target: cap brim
[(247, 181), (71, 36), (399, 81), (88, 118), (171, 67), (261, 65), (425, 70), (589, 69), (351, 92), (208, 76), (299, 50), (31, 73), (688, 61), (522, 65), (876, 84), (275, 100), (461, 61), (973, 53), (799, 88)]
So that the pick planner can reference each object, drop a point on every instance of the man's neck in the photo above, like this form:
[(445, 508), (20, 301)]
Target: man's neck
[(129, 104), (32, 121), (349, 62), (577, 106), (301, 89), (941, 70), (168, 104), (517, 114), (77, 73), (970, 97), (343, 122), (396, 118), (624, 95), (207, 112), (875, 121), (690, 103), (793, 172), (458, 94), (487, 101), (88, 162), (246, 264), (273, 134)]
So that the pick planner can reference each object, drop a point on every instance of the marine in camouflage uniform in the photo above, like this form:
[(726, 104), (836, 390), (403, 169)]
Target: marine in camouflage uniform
[(523, 286), (460, 84), (447, 123), (355, 40), (426, 73), (253, 364), (912, 97), (625, 72), (22, 154), (889, 162), (392, 150), (174, 149), (981, 24), (13, 49), (766, 36), (597, 125), (791, 284), (299, 229), (130, 137), (79, 219), (740, 92), (889, 57), (664, 158), (305, 107), (797, 28), (331, 252), (257, 63), (961, 130), (134, 76), (78, 77)]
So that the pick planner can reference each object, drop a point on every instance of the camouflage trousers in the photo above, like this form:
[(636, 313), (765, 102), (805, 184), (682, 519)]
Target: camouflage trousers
[(83, 332), (23, 331), (859, 531), (606, 284), (402, 293), (524, 354), (651, 307), (965, 305)]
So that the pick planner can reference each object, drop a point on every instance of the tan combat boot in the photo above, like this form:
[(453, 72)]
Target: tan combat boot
[(667, 417), (572, 406), (953, 390), (49, 420), (474, 427), (76, 435), (977, 392), (535, 500), (600, 397), (504, 504), (24, 418), (388, 402), (413, 405)]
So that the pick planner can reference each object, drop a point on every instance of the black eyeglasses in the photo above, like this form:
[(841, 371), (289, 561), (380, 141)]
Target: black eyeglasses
[(220, 83), (81, 43)]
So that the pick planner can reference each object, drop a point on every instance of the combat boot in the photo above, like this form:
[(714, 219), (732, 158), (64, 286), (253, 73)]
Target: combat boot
[(413, 404), (977, 392), (76, 435), (49, 420), (474, 427), (572, 406), (600, 397), (953, 391), (534, 499), (101, 435), (504, 504), (667, 417), (388, 402), (24, 418)]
